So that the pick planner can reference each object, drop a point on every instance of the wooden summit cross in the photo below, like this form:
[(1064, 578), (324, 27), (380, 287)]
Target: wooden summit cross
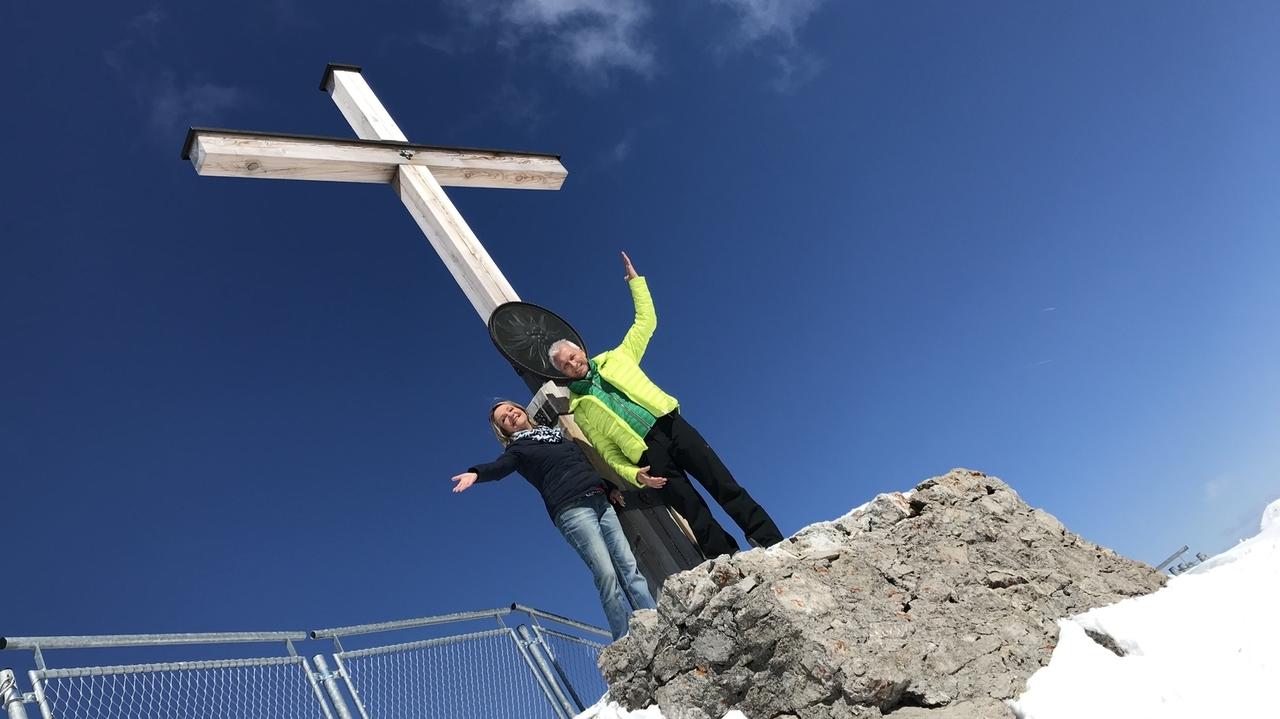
[(383, 154)]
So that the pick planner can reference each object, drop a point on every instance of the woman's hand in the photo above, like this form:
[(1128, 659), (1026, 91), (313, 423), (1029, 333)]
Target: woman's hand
[(631, 271), (615, 496), (643, 477), (464, 480)]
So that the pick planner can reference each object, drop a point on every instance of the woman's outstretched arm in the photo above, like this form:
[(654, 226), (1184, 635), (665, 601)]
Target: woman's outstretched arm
[(495, 470)]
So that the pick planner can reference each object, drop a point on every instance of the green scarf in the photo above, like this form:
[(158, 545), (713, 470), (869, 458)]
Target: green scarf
[(638, 418)]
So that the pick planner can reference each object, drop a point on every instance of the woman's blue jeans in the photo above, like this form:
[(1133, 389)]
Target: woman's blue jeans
[(591, 527)]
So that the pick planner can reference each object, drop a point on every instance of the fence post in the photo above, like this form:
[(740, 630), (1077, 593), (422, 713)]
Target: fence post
[(315, 686), (559, 670), (549, 674), (548, 687), (331, 686), (10, 697)]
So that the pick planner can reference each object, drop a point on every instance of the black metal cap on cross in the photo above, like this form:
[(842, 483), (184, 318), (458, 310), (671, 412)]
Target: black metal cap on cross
[(327, 79)]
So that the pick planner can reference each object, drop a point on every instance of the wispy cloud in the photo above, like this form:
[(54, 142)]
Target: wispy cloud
[(444, 43), (515, 105), (594, 38), (761, 19), (771, 28), (599, 40), (141, 29), (1213, 488), (621, 150), (170, 104), (1247, 522), (168, 100)]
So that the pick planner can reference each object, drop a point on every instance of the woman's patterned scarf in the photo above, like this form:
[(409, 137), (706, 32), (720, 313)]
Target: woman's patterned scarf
[(545, 435)]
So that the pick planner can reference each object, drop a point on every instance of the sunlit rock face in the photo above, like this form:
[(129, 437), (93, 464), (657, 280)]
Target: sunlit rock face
[(934, 604)]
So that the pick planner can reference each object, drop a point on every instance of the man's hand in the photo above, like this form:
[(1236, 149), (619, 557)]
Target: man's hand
[(643, 477), (464, 480), (631, 271), (615, 496)]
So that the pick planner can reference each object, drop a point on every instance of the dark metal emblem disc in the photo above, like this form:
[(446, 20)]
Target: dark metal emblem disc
[(523, 333)]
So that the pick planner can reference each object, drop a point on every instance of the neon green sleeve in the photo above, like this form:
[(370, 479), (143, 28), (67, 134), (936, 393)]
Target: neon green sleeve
[(619, 462), (646, 321), (608, 450)]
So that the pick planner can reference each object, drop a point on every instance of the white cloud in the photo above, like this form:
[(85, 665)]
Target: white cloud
[(622, 150), (1213, 488), (760, 19), (141, 28), (441, 42), (593, 37), (147, 21), (771, 27), (172, 105), (168, 101), (796, 66), (599, 39), (519, 106)]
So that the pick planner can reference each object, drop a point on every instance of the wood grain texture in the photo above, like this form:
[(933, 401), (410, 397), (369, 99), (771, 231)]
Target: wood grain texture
[(229, 154), (363, 109), (446, 230)]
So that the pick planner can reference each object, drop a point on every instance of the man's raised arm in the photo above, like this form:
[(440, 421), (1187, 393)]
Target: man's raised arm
[(646, 321)]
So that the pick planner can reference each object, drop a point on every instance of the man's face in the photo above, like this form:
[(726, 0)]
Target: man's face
[(572, 361), (510, 418)]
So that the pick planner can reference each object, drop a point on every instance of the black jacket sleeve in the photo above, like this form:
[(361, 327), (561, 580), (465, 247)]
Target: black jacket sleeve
[(498, 468)]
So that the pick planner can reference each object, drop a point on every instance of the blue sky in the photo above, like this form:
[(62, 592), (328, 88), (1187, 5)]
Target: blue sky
[(884, 240)]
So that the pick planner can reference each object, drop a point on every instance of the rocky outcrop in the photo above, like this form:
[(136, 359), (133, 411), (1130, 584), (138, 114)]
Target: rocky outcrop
[(935, 604)]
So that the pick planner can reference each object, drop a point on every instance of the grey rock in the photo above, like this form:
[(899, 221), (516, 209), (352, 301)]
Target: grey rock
[(936, 604)]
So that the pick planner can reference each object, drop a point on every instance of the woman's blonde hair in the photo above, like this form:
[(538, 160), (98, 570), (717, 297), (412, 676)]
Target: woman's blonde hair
[(500, 433)]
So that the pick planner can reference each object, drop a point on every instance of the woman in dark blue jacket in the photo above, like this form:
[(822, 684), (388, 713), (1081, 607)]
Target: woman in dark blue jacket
[(575, 497)]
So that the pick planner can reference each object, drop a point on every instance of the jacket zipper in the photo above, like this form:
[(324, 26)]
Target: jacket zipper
[(625, 408)]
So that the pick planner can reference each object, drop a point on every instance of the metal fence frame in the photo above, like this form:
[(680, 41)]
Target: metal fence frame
[(14, 700), (532, 639), (564, 699), (575, 690)]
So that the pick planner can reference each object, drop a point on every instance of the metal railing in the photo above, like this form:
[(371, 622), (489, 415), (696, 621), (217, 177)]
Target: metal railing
[(542, 667), (279, 687)]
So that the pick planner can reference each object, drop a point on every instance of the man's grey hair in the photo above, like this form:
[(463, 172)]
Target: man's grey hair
[(555, 348)]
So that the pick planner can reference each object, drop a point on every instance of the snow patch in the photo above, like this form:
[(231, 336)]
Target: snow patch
[(1207, 644), (1271, 517)]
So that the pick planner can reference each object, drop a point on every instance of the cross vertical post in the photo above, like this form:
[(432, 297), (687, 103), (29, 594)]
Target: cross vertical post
[(468, 261)]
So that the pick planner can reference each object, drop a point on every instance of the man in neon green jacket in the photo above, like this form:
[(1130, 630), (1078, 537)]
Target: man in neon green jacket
[(639, 431)]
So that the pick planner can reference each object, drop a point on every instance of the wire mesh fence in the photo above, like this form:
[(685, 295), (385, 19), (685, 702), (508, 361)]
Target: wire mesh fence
[(272, 688), (524, 672), (576, 658), (482, 675)]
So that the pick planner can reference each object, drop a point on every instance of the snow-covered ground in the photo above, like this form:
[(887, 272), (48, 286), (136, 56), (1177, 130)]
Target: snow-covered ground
[(1207, 644)]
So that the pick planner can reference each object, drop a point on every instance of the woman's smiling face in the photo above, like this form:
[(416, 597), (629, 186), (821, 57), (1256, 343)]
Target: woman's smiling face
[(510, 418)]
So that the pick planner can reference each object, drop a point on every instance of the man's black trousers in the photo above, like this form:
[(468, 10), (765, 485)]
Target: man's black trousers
[(674, 448)]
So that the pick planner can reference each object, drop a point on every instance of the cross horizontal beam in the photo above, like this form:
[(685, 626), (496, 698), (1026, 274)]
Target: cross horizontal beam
[(237, 153)]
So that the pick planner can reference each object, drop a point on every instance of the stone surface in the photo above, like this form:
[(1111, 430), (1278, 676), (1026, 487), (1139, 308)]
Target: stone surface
[(936, 604)]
